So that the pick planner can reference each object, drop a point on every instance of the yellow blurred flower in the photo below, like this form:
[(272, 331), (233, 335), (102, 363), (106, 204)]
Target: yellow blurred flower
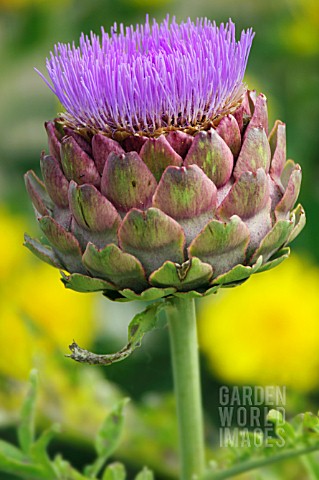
[(38, 315), (38, 320), (266, 331)]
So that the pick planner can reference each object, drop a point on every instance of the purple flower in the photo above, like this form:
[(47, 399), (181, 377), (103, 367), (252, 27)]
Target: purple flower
[(162, 178), (153, 76)]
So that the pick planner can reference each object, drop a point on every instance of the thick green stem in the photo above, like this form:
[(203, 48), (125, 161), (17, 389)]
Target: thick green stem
[(185, 361)]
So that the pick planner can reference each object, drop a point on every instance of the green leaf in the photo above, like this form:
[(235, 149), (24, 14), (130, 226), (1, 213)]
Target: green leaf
[(141, 324), (9, 451), (190, 294), (108, 437), (282, 428), (38, 451), (254, 464), (299, 437), (65, 471), (22, 468), (115, 471), (306, 424), (145, 474), (148, 295), (275, 260), (190, 275), (311, 421), (26, 425), (237, 273), (83, 283)]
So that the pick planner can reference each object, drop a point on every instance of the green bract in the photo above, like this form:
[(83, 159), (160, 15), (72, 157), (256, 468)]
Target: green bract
[(182, 212)]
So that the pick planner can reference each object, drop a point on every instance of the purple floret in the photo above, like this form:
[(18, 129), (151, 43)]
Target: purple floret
[(153, 76)]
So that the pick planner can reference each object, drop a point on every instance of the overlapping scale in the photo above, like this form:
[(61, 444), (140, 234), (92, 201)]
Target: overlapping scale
[(178, 213)]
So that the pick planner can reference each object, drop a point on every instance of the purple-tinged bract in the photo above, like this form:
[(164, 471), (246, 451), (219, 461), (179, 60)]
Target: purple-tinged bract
[(154, 76)]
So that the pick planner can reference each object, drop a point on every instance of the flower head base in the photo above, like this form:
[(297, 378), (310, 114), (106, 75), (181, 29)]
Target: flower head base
[(153, 77), (144, 216)]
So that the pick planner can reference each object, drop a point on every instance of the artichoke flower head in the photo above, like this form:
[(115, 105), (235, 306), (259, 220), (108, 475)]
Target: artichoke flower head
[(162, 178)]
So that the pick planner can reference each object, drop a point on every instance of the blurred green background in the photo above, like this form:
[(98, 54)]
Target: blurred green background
[(263, 333)]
